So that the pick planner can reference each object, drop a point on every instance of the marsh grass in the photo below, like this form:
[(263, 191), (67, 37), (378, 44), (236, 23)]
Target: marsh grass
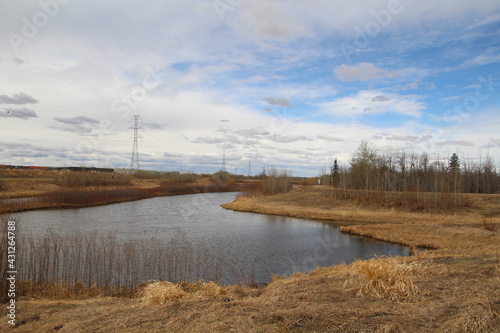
[(387, 278), (77, 265)]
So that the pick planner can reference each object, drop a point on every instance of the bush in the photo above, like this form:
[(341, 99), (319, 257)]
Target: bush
[(277, 181), (75, 178)]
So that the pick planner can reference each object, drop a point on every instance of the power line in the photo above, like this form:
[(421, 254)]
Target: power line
[(62, 109)]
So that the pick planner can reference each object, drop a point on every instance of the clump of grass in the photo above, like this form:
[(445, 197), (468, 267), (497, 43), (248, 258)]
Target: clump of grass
[(389, 278), (161, 292), (211, 289), (488, 223)]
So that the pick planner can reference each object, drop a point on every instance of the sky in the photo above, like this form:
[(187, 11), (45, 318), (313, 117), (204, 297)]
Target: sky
[(291, 84)]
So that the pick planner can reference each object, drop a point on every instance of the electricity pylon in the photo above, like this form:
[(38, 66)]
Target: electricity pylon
[(134, 161)]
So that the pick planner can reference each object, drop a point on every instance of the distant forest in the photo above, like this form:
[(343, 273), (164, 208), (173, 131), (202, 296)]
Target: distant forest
[(411, 172)]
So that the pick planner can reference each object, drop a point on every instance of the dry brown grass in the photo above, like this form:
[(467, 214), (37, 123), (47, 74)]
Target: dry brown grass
[(54, 189), (388, 278), (164, 292), (161, 293), (453, 288)]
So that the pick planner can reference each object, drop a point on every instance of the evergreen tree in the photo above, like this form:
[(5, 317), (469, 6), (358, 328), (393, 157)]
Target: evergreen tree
[(454, 164), (454, 170), (334, 172)]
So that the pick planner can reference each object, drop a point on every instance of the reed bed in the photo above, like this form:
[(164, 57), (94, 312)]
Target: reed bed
[(78, 264)]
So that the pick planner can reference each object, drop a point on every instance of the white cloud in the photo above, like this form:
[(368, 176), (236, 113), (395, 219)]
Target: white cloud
[(329, 138), (374, 102), (21, 113), (18, 99), (279, 102), (459, 143), (216, 73)]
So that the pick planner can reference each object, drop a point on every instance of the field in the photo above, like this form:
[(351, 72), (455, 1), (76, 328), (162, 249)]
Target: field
[(450, 283)]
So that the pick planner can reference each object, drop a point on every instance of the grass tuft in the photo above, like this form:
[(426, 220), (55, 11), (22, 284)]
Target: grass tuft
[(389, 278), (161, 292)]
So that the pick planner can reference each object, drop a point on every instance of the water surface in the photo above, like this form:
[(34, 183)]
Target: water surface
[(257, 246)]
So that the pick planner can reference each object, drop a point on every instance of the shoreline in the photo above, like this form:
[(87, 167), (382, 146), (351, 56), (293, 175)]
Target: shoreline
[(443, 232), (453, 287), (34, 206)]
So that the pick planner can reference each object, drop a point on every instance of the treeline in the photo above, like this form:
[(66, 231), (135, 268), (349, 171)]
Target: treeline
[(411, 172)]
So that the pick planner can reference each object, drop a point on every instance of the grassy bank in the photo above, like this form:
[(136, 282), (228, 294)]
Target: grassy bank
[(53, 189), (476, 225), (453, 288)]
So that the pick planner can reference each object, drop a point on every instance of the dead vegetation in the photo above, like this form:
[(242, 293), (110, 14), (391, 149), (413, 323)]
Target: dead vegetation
[(454, 287), (388, 278), (36, 189)]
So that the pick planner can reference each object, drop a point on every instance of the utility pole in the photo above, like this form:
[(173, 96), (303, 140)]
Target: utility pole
[(249, 167), (134, 161)]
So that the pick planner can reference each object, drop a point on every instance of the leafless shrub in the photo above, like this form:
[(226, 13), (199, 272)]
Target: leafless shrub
[(75, 178), (277, 181), (417, 201), (78, 196)]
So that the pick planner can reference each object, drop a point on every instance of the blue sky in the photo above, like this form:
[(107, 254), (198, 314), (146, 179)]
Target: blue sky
[(290, 84)]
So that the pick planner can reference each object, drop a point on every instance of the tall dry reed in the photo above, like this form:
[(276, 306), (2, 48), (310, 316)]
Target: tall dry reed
[(63, 265)]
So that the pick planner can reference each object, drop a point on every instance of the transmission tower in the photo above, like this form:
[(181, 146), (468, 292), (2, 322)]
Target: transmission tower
[(134, 161), (224, 160)]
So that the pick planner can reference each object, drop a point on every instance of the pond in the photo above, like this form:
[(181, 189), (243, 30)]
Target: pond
[(249, 247)]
